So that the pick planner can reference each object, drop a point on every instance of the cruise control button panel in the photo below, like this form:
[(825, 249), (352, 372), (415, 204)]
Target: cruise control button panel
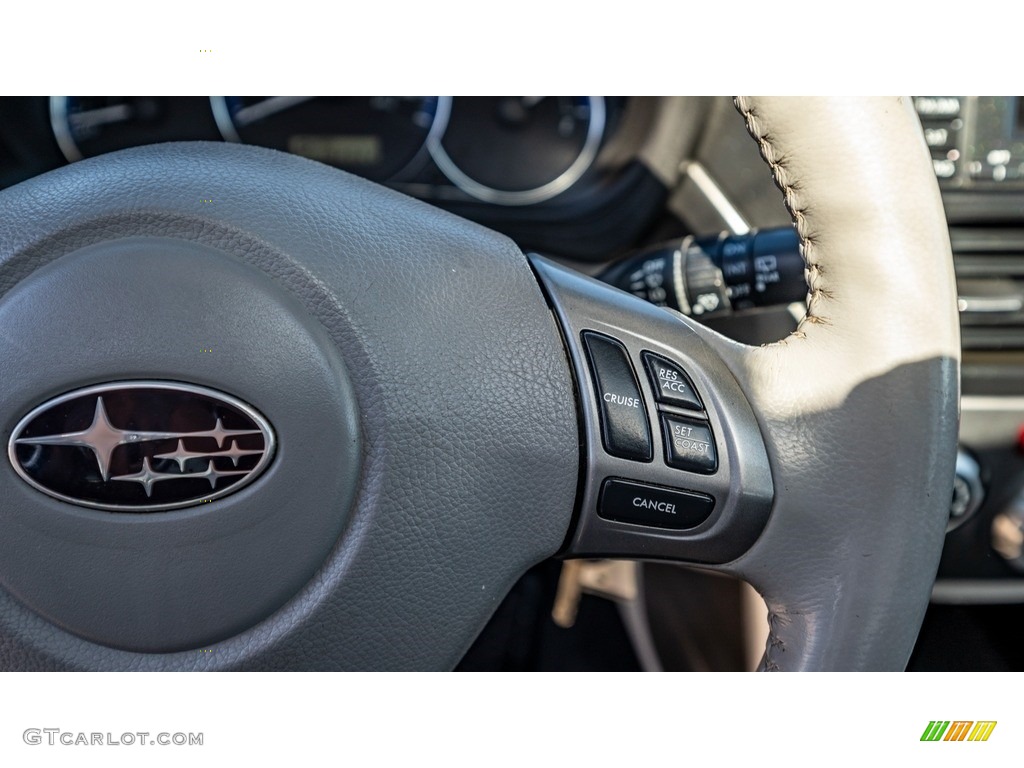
[(628, 502), (673, 464), (689, 444), (625, 431), (670, 383)]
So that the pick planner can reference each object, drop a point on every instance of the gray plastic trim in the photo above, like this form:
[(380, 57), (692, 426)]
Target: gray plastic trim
[(978, 591), (990, 421), (638, 625), (716, 197), (742, 485)]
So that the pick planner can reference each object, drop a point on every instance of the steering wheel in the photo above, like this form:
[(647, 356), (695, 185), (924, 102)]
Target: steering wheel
[(431, 412)]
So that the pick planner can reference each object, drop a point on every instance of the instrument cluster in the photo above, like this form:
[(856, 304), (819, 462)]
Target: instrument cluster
[(582, 177), (505, 150)]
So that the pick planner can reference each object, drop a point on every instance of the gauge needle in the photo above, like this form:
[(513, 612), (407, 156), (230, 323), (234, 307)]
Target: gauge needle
[(93, 117), (532, 101), (266, 108)]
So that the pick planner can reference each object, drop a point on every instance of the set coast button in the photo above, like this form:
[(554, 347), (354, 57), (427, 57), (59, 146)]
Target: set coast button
[(689, 444)]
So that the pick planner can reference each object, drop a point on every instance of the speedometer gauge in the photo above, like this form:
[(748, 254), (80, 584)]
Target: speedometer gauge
[(376, 137), (85, 126), (517, 150)]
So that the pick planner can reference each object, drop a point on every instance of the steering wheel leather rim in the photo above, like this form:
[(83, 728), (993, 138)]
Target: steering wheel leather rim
[(845, 563), (877, 356)]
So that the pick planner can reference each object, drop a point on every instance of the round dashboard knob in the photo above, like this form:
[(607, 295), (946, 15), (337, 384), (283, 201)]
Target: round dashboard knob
[(968, 491)]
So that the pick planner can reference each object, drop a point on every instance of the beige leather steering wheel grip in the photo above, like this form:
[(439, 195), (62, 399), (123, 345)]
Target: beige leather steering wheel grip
[(837, 445), (859, 407)]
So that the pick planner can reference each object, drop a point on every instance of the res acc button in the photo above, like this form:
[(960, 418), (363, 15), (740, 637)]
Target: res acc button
[(628, 502), (670, 383)]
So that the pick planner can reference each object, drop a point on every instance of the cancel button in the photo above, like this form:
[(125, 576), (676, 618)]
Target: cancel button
[(629, 502)]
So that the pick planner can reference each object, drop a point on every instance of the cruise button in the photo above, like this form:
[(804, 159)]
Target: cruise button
[(624, 428), (670, 384), (628, 502), (689, 444)]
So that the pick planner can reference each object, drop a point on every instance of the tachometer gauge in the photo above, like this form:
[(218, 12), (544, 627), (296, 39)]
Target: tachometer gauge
[(85, 126), (373, 136), (517, 150)]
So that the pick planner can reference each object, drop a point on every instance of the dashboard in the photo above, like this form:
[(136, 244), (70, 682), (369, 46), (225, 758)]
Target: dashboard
[(511, 150), (977, 146), (977, 142)]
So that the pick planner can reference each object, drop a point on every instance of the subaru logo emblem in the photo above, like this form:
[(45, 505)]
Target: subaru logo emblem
[(141, 446)]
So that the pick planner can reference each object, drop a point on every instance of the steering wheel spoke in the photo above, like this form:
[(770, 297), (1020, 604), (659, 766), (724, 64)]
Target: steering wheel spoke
[(835, 447), (675, 467)]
